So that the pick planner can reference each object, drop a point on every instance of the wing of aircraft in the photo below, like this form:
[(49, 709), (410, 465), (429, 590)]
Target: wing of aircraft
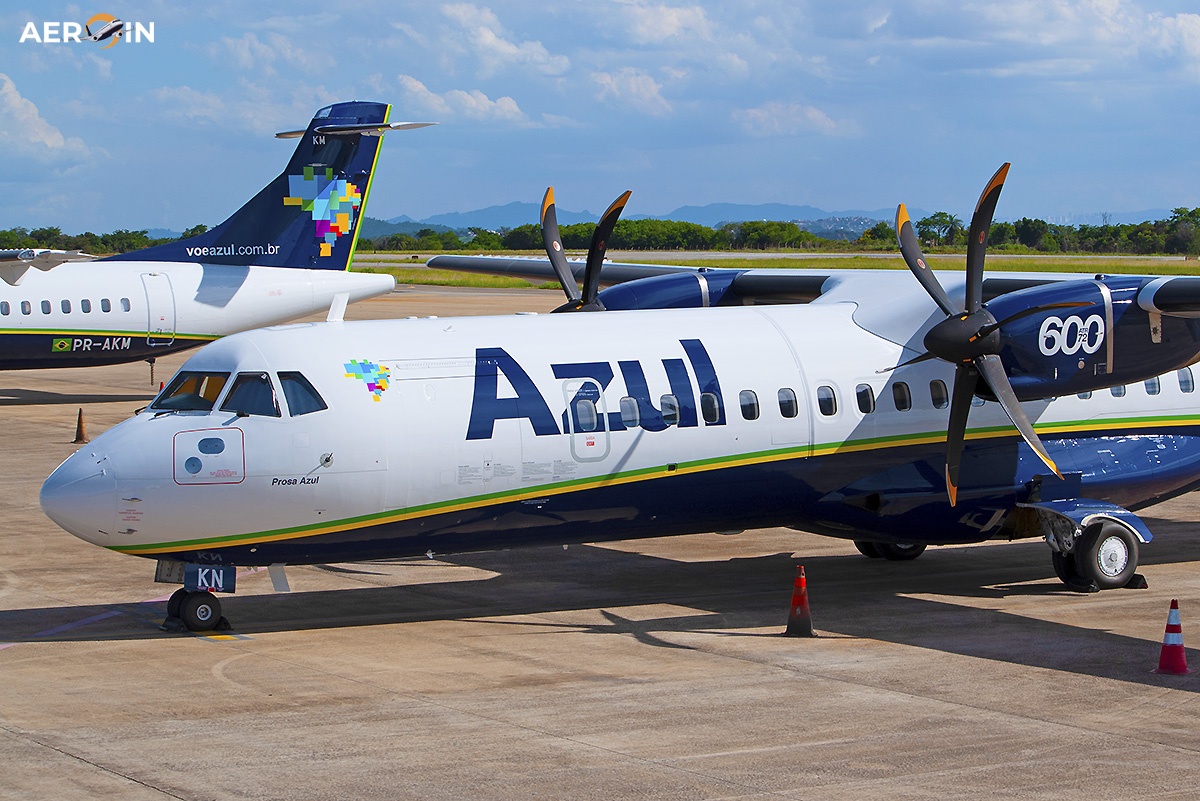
[(14, 263), (897, 410)]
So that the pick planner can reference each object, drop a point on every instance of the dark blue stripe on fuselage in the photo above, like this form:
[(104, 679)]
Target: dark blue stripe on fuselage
[(36, 351), (893, 494)]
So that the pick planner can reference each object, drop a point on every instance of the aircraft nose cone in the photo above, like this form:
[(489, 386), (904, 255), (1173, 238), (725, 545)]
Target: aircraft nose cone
[(81, 496)]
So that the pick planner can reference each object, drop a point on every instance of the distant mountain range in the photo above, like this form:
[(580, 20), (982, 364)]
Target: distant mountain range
[(517, 213), (828, 224)]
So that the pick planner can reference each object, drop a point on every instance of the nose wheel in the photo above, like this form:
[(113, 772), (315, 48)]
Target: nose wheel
[(194, 611)]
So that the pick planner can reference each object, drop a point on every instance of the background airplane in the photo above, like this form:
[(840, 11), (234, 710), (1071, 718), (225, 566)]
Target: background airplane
[(284, 254), (1047, 406)]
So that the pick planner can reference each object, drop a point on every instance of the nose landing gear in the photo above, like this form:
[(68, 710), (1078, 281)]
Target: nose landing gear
[(194, 610)]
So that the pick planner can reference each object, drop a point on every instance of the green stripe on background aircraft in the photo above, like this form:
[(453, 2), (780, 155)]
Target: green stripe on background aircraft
[(283, 255), (853, 403)]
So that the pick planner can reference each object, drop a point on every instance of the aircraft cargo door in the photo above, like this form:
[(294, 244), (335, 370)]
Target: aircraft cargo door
[(160, 309)]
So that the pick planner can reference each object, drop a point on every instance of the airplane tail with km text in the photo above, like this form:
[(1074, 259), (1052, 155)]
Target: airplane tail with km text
[(308, 217)]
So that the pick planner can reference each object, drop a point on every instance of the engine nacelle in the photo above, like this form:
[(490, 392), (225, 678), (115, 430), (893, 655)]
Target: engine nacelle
[(674, 291), (1110, 339)]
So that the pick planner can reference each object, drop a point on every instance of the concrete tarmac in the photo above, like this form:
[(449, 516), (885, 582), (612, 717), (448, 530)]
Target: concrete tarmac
[(648, 669)]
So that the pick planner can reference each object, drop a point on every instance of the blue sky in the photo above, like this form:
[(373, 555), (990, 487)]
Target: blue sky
[(836, 105)]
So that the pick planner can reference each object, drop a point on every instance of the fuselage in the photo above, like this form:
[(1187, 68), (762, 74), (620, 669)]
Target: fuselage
[(92, 313), (459, 434)]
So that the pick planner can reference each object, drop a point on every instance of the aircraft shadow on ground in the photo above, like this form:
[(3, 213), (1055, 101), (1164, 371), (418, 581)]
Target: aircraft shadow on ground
[(850, 596), (32, 397)]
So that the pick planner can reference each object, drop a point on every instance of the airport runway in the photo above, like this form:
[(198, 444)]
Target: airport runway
[(649, 669)]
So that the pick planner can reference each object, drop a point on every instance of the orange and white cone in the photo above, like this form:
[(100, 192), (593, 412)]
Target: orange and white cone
[(1172, 660), (799, 617)]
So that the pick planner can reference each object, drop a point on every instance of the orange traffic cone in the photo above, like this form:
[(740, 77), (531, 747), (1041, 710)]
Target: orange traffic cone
[(1172, 660), (81, 436), (800, 617)]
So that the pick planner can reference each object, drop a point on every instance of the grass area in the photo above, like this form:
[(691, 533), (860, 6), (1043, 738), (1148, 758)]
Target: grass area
[(406, 271), (425, 276)]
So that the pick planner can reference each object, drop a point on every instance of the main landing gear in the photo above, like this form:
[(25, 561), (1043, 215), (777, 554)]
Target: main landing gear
[(891, 551), (1103, 556), (194, 610)]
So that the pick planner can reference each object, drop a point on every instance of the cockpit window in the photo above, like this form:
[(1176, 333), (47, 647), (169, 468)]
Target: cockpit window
[(191, 392), (302, 397), (252, 393)]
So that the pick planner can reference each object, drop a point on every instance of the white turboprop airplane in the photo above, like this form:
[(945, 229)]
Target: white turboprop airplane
[(679, 407), (283, 255)]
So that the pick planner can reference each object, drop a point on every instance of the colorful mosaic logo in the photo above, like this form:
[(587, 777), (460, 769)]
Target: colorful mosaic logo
[(333, 202), (375, 376)]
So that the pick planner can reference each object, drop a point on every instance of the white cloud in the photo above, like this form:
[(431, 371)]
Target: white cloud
[(184, 101), (633, 88), (787, 119), (496, 49), (655, 22), (25, 134), (473, 105), (252, 54)]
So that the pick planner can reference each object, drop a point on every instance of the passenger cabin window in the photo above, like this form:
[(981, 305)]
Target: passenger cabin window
[(827, 400), (1186, 382), (1153, 386), (45, 307), (670, 409), (252, 394), (26, 307), (85, 306), (66, 306), (1118, 391), (631, 415), (300, 395), (125, 304), (190, 392), (865, 397), (585, 413), (976, 400), (938, 394), (1085, 395), (4, 307), (747, 399), (710, 407), (901, 396), (105, 305), (788, 407)]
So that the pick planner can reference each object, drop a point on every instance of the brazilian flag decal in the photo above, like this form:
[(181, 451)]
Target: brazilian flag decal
[(61, 346)]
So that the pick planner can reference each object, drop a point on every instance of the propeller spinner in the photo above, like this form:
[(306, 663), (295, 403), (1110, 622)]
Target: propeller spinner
[(969, 337), (586, 300)]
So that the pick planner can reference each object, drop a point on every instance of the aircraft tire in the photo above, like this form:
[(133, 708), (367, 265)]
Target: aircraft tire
[(899, 551), (200, 611), (1108, 555), (1064, 568), (175, 602), (867, 548)]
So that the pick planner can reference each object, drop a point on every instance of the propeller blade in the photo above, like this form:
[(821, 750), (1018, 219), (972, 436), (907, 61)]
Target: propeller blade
[(981, 224), (554, 247), (595, 258), (966, 378), (924, 357), (993, 373), (910, 248)]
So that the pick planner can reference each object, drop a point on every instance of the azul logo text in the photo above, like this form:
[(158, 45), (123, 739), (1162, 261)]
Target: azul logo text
[(585, 411)]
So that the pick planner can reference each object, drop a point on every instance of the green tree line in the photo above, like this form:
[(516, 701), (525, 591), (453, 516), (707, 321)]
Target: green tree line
[(1178, 234)]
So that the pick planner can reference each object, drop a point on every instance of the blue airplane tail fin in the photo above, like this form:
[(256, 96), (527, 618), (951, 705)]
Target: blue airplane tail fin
[(307, 217)]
